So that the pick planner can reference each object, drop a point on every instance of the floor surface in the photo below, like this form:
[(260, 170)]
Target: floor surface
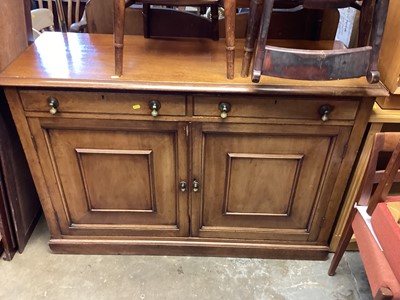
[(39, 274)]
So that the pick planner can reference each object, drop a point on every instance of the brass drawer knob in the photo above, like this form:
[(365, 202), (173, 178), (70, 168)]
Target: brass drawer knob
[(224, 108), (155, 106), (53, 103), (324, 111)]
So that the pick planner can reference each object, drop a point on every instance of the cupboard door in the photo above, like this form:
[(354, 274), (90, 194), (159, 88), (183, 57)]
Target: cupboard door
[(263, 181), (115, 178)]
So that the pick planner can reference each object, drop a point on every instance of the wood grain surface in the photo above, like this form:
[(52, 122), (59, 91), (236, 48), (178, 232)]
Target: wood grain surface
[(83, 60)]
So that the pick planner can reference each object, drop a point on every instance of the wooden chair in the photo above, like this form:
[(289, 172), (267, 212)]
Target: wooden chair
[(42, 20), (378, 237), (230, 12), (316, 64), (73, 15)]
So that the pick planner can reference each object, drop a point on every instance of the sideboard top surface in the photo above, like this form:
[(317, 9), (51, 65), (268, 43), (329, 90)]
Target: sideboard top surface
[(71, 60)]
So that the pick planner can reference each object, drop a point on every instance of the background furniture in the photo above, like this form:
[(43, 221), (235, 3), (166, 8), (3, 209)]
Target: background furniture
[(303, 24), (378, 237), (306, 64), (42, 19), (385, 115), (161, 22), (19, 206), (16, 30), (67, 12), (230, 13), (205, 27), (381, 120), (298, 140), (389, 60)]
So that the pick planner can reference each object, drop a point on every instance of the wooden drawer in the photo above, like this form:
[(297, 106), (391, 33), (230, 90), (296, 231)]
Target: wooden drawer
[(276, 107), (109, 103)]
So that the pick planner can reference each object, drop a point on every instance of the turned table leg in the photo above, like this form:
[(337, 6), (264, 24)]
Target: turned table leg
[(119, 21), (230, 16)]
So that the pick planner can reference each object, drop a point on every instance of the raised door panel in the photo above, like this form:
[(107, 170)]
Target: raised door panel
[(265, 182), (115, 178)]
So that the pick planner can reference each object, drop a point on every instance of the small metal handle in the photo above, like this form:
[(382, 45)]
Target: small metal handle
[(53, 103), (324, 111), (224, 108), (196, 186), (155, 106), (182, 186)]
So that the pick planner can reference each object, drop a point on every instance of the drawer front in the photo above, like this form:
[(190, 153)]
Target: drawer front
[(276, 107), (109, 103)]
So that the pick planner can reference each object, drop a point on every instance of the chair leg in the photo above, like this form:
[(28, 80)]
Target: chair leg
[(253, 26), (146, 20), (262, 40), (383, 294), (344, 241), (365, 23), (214, 22), (378, 27), (119, 21), (230, 16)]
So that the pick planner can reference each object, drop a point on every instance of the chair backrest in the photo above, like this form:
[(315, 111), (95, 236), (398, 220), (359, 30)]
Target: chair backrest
[(71, 8), (49, 4), (383, 142), (73, 11), (42, 19)]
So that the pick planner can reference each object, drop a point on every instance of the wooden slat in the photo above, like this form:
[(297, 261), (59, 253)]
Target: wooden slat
[(69, 15), (50, 5), (77, 5)]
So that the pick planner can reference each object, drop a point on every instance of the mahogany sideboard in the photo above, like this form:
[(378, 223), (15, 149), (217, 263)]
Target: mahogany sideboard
[(173, 158)]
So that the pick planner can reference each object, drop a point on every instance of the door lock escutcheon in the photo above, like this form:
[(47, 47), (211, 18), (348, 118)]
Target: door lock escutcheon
[(196, 186), (182, 186)]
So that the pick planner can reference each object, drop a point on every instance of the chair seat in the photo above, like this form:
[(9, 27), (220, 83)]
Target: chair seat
[(310, 64), (387, 230), (316, 64), (379, 272)]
